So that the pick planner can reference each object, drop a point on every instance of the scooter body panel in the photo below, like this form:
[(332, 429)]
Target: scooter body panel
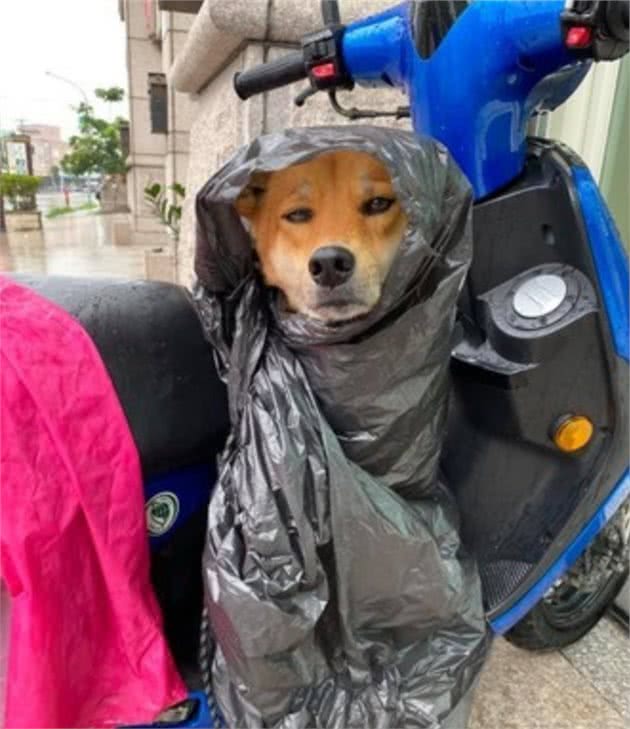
[(528, 509)]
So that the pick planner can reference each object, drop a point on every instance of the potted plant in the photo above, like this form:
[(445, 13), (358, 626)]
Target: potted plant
[(20, 191), (168, 208), (166, 202)]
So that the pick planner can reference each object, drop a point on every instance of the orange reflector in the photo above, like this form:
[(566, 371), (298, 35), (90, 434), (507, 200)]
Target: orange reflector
[(573, 433)]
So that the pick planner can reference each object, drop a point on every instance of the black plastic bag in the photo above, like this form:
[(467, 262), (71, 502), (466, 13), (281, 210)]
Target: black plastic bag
[(337, 589)]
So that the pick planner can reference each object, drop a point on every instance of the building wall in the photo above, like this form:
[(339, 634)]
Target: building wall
[(48, 147), (175, 27), (583, 121), (615, 177), (146, 150), (152, 43), (594, 123)]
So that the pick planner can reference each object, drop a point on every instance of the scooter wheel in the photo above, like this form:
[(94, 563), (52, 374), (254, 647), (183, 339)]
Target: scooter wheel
[(579, 599)]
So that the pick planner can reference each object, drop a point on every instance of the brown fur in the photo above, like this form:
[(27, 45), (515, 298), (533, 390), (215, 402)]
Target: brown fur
[(335, 187)]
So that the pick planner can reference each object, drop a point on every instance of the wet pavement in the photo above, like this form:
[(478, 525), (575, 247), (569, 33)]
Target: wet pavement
[(78, 244), (586, 686)]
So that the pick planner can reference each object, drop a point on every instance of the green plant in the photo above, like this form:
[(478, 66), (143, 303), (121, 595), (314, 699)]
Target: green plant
[(19, 190), (168, 211), (56, 212), (112, 94), (97, 147)]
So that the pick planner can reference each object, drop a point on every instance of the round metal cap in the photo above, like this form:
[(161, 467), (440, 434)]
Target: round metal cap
[(539, 296)]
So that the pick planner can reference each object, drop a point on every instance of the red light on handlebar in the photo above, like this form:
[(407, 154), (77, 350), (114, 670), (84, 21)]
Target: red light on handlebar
[(325, 70), (579, 37)]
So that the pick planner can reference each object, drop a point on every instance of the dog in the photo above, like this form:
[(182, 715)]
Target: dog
[(325, 232)]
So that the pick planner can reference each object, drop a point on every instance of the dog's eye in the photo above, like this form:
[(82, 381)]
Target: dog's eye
[(299, 215), (377, 205)]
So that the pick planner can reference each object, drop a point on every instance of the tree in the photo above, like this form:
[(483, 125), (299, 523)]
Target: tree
[(19, 190), (97, 147), (113, 94)]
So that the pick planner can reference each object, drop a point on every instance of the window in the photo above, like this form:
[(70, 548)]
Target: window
[(158, 103)]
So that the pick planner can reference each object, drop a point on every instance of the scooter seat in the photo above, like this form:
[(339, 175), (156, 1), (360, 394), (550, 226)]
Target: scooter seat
[(151, 342)]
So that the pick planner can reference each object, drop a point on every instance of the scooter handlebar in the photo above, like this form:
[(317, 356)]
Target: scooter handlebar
[(285, 70)]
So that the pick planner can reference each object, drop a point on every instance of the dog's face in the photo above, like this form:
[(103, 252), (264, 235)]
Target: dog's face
[(326, 232)]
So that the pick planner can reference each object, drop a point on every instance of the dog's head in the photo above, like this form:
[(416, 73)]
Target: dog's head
[(326, 232)]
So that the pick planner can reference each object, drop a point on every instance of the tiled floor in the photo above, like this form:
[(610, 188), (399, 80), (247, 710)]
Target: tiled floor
[(584, 687)]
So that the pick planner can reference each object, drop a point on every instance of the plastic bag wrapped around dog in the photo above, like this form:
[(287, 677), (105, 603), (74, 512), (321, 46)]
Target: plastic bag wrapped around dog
[(336, 585)]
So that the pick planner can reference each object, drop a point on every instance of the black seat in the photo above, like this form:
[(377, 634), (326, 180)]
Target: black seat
[(150, 340)]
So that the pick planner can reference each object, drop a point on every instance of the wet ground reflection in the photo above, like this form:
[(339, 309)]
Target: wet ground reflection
[(72, 245)]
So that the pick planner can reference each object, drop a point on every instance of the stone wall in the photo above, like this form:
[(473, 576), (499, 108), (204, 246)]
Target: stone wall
[(221, 124)]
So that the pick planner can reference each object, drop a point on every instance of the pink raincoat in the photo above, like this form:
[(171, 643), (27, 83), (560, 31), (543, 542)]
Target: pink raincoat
[(86, 647)]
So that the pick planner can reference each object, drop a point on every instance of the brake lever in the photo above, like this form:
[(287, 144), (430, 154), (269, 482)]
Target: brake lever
[(323, 60), (401, 112), (301, 98)]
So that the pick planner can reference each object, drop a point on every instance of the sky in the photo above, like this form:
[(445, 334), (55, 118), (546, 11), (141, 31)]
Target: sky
[(82, 40)]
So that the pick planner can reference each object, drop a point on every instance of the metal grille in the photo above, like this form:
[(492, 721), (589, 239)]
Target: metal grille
[(500, 579)]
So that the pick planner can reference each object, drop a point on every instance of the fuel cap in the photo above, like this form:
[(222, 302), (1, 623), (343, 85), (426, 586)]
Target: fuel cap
[(539, 296)]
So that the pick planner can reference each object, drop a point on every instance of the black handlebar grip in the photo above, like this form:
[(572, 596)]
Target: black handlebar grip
[(284, 70)]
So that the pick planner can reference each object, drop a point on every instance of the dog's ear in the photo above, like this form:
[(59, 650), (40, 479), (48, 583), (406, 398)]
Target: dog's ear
[(247, 203)]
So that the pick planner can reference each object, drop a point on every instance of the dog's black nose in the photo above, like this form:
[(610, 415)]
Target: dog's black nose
[(331, 266)]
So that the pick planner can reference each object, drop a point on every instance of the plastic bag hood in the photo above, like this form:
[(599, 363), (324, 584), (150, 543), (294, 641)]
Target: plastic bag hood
[(336, 586), (427, 183)]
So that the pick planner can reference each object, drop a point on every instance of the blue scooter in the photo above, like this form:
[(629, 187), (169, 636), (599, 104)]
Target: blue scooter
[(537, 444)]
